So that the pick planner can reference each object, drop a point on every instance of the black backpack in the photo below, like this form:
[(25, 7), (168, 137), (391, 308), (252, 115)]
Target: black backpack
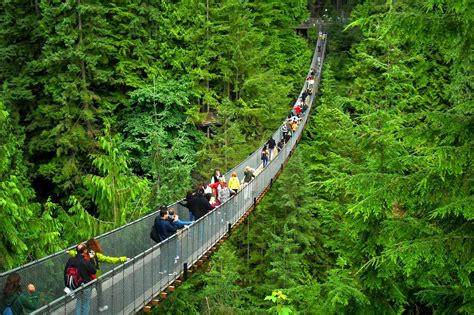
[(154, 234)]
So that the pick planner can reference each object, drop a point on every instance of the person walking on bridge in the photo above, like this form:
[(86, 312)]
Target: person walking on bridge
[(271, 144), (234, 182), (264, 156)]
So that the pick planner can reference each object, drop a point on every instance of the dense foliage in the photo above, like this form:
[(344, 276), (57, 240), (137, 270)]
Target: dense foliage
[(106, 104), (103, 116), (373, 215)]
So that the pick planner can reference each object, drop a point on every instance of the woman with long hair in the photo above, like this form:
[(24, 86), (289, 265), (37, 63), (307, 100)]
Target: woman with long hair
[(15, 299)]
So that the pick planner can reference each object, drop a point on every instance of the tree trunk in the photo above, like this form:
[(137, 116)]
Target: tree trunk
[(79, 26), (207, 40), (37, 11)]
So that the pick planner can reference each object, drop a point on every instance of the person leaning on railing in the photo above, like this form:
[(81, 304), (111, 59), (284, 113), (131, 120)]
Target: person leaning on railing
[(186, 202), (174, 219), (85, 271), (99, 257), (93, 246), (163, 226)]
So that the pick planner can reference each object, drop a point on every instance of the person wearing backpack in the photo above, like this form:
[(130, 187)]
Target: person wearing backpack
[(79, 271), (14, 301), (93, 245)]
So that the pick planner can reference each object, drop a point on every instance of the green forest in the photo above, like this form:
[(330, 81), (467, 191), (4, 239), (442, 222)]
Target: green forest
[(104, 107), (109, 109)]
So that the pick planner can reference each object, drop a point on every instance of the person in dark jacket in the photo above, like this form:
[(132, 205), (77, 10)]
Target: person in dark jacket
[(186, 203), (163, 226), (86, 271), (280, 145), (264, 156), (271, 144), (199, 206), (15, 299), (94, 246), (304, 97)]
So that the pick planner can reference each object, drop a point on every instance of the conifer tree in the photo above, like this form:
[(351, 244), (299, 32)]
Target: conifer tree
[(221, 293), (74, 75), (20, 44), (161, 138), (390, 147), (30, 230), (115, 192)]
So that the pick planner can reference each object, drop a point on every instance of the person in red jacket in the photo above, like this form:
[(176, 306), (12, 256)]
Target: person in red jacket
[(215, 186), (297, 109)]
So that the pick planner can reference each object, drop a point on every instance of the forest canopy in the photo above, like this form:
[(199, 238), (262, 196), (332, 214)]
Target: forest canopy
[(105, 110), (105, 107), (374, 212)]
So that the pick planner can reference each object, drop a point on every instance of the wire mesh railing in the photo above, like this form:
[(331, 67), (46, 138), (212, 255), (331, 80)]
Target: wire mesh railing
[(128, 287)]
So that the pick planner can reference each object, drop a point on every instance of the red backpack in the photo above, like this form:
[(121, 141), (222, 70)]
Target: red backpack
[(72, 278)]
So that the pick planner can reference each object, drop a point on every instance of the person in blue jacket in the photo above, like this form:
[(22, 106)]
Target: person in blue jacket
[(163, 226), (174, 219)]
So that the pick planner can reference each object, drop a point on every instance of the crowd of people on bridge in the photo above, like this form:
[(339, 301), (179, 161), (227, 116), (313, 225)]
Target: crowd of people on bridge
[(81, 268), (84, 264), (206, 197)]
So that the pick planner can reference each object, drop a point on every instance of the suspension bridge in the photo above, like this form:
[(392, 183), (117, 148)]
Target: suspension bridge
[(154, 268)]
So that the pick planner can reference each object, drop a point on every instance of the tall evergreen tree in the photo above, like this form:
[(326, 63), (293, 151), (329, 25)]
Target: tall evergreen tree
[(161, 138), (73, 77), (30, 229), (116, 191), (396, 159), (20, 43)]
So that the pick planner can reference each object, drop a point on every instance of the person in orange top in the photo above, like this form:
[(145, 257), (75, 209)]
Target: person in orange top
[(294, 126)]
